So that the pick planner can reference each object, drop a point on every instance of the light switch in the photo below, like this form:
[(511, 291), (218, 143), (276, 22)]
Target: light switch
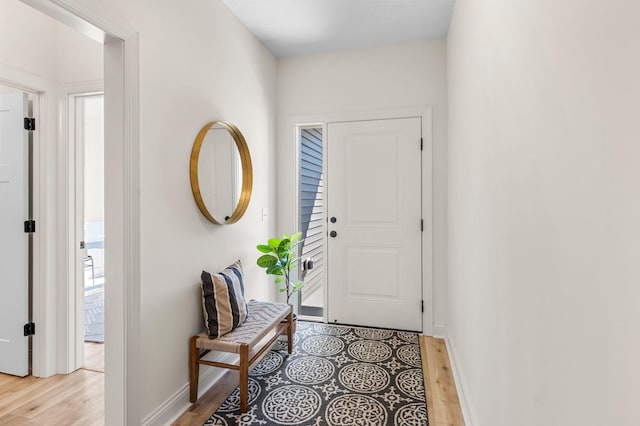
[(265, 214)]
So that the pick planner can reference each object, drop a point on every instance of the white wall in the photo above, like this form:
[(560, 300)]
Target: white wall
[(544, 204), (369, 80), (92, 132), (37, 44), (197, 64), (42, 55), (28, 39)]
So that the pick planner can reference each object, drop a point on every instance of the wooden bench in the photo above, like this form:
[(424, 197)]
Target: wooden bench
[(264, 324)]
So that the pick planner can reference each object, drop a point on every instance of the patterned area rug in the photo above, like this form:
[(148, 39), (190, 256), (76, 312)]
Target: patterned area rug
[(94, 315), (336, 375)]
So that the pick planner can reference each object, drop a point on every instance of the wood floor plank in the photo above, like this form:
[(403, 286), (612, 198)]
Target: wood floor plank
[(427, 381), (12, 384), (71, 399), (210, 401), (11, 420), (29, 387), (445, 403), (94, 356), (94, 416), (62, 393)]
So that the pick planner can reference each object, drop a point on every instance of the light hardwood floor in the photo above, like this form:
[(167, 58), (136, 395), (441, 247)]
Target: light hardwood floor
[(94, 356), (77, 398), (73, 399), (443, 406)]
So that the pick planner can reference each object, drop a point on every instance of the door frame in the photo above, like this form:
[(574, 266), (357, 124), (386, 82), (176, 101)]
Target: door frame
[(122, 209), (75, 222), (293, 126), (298, 129)]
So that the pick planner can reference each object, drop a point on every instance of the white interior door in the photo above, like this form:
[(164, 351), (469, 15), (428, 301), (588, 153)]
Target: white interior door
[(14, 242), (374, 211)]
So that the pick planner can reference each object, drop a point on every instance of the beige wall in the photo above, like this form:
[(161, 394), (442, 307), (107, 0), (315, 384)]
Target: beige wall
[(544, 204), (377, 79)]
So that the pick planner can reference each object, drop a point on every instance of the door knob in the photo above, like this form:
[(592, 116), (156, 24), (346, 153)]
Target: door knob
[(333, 220), (333, 234)]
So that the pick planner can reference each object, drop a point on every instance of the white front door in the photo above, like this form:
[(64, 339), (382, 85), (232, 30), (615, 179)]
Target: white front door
[(374, 210), (14, 242)]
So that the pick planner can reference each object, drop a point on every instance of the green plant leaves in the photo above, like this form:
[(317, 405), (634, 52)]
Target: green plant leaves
[(264, 249), (280, 258), (275, 270), (294, 237), (267, 261), (274, 242), (284, 246)]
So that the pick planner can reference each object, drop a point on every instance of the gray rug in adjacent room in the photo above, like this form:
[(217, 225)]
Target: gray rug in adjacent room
[(336, 375), (94, 315)]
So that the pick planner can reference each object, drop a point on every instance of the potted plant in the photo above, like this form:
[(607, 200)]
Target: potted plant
[(280, 258)]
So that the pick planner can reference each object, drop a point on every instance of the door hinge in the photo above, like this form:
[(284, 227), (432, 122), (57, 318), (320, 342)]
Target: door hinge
[(29, 123), (29, 329), (421, 144), (421, 225), (422, 305), (29, 226)]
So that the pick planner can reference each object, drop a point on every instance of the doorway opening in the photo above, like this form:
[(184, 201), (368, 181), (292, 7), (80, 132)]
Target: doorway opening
[(122, 221), (87, 130), (312, 220)]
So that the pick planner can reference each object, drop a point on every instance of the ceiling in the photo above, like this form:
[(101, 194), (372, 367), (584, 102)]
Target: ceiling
[(303, 27)]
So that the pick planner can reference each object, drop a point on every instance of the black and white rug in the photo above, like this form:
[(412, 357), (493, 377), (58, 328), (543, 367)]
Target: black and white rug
[(336, 375)]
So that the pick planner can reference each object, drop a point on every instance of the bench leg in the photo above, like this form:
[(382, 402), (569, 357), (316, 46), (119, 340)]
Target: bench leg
[(244, 377), (194, 369), (290, 331)]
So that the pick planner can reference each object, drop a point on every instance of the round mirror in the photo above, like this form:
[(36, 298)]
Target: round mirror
[(220, 172)]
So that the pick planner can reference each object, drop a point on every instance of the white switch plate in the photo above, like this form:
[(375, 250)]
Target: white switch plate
[(265, 213)]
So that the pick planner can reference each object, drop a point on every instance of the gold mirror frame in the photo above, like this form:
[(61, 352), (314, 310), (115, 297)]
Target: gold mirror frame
[(247, 172)]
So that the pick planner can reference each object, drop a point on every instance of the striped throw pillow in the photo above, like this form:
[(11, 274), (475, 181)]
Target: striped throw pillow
[(223, 300)]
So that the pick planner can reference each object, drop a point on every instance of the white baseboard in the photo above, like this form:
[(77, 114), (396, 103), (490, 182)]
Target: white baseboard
[(439, 330), (468, 412), (178, 403)]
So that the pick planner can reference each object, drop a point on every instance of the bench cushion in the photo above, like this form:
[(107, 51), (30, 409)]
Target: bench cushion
[(263, 318), (223, 302)]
